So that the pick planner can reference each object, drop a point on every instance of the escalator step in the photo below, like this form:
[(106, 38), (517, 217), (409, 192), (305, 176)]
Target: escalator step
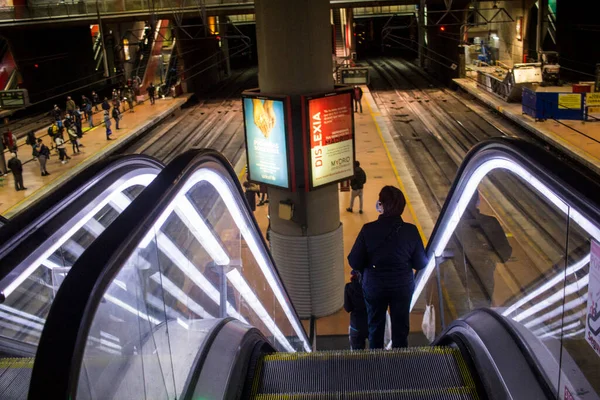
[(15, 375), (451, 394), (414, 371)]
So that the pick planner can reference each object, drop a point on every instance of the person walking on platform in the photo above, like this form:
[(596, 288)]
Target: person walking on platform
[(68, 122), (70, 106), (151, 93), (57, 115), (62, 151), (43, 153), (89, 114), (116, 114), (354, 303), (31, 141), (53, 131), (116, 103), (264, 195), (78, 122), (129, 97), (10, 141), (105, 104), (17, 170), (95, 101), (107, 125), (357, 183), (386, 252), (251, 190), (358, 93), (73, 138), (85, 103)]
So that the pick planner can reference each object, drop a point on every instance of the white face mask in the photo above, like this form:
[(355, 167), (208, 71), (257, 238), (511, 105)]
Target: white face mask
[(379, 207)]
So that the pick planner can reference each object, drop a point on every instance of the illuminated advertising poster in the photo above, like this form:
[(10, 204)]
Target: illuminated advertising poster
[(331, 129), (266, 146), (592, 320)]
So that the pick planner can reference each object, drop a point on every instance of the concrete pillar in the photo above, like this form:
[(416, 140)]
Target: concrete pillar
[(421, 33), (542, 7), (351, 30), (223, 31), (294, 58)]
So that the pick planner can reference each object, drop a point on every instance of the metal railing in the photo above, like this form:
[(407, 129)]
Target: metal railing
[(44, 11)]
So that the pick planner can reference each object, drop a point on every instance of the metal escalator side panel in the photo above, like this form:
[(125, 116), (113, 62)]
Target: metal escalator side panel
[(170, 258), (504, 363), (223, 370)]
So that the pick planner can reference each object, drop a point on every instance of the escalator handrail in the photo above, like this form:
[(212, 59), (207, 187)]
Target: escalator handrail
[(62, 344), (35, 217), (527, 352), (579, 190)]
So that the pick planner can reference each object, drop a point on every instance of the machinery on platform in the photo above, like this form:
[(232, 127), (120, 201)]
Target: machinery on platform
[(486, 55), (508, 83), (550, 68)]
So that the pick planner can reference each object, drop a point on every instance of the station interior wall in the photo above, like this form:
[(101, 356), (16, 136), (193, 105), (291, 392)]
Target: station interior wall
[(578, 31), (510, 47), (443, 46), (56, 57), (200, 55)]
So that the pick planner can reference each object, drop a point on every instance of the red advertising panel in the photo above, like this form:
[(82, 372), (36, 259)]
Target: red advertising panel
[(331, 130)]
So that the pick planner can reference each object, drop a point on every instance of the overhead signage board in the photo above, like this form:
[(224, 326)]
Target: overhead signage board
[(266, 129), (330, 127), (17, 98), (592, 316), (355, 76)]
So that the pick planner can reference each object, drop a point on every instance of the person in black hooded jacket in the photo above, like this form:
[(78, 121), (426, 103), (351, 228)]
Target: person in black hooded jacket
[(386, 252), (354, 303)]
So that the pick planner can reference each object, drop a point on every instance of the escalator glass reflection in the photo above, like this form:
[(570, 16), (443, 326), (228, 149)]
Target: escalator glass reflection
[(30, 289), (512, 236), (201, 260), (519, 246)]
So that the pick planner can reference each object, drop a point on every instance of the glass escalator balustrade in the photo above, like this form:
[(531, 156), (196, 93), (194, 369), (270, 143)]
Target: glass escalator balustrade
[(513, 244), (507, 239), (201, 260), (29, 293)]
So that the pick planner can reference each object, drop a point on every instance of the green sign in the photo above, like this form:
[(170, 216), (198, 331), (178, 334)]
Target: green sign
[(14, 98)]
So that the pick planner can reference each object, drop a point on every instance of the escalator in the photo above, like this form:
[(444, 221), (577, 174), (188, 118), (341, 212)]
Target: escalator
[(179, 297), (39, 245), (464, 363), (448, 378)]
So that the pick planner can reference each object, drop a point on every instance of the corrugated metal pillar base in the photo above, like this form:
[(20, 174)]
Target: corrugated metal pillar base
[(312, 269)]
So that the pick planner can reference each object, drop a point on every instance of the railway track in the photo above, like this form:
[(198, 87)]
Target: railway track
[(216, 122)]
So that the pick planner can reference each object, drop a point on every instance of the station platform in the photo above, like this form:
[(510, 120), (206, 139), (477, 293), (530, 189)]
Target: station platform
[(580, 139), (376, 159), (96, 147)]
